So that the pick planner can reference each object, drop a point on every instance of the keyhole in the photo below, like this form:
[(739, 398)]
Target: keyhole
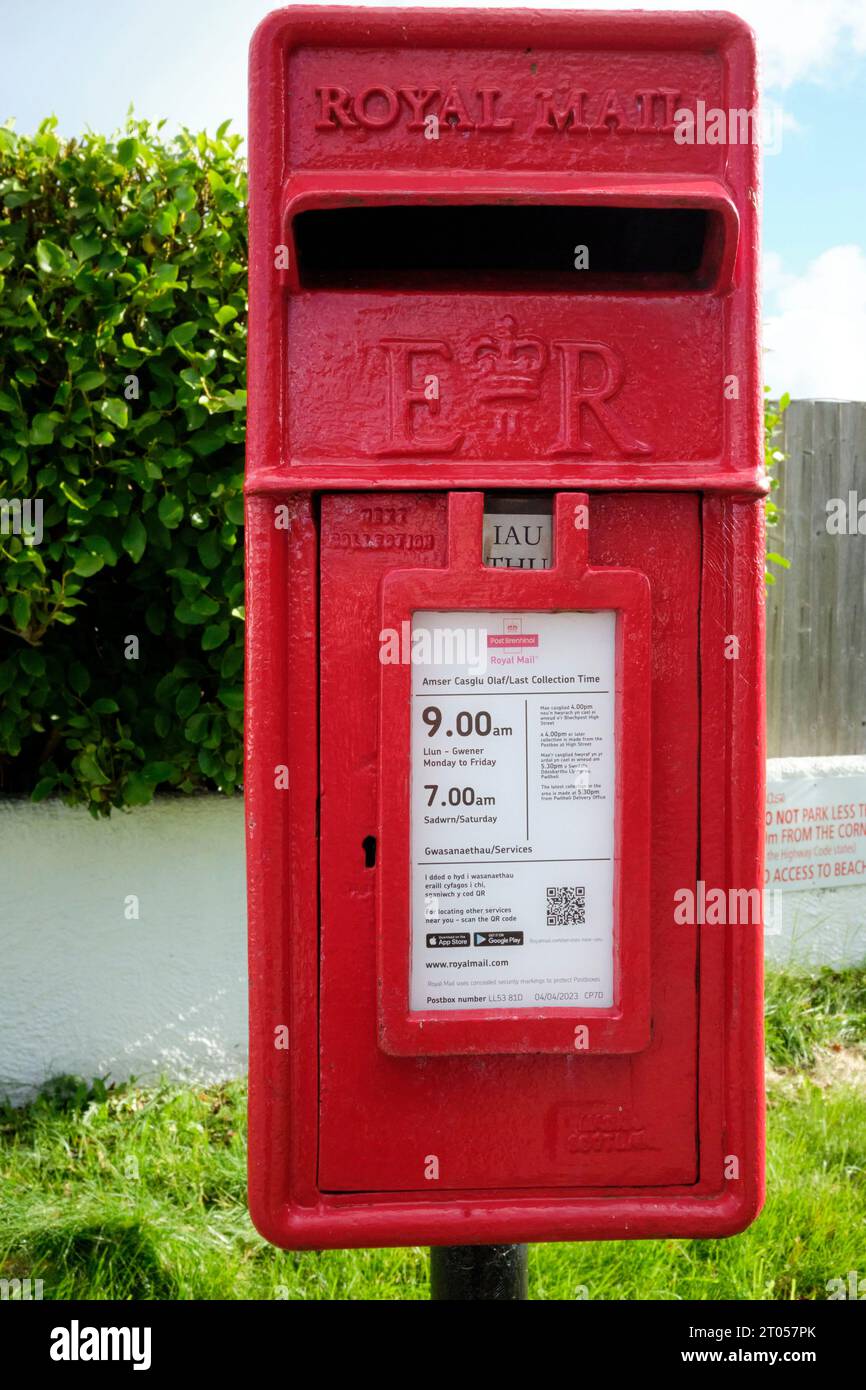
[(368, 845)]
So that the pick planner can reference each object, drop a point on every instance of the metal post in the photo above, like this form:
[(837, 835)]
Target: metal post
[(459, 1273)]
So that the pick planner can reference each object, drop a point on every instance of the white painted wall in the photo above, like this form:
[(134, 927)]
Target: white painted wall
[(85, 990)]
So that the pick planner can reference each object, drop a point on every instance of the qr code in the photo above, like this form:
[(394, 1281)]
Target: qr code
[(566, 907)]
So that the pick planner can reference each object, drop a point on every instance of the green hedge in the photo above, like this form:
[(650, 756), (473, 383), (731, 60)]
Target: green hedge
[(773, 457), (122, 406)]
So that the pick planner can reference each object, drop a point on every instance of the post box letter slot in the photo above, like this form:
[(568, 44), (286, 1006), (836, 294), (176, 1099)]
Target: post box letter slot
[(530, 246)]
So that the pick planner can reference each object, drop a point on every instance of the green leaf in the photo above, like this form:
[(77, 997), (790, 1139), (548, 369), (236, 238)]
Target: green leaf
[(157, 772), (87, 563), (154, 616), (183, 334), (175, 458), (21, 611), (88, 381), (231, 400), (50, 258), (210, 552), (196, 728), (185, 197), (165, 273), (44, 787), (42, 429), (79, 677), (85, 246), (89, 768), (188, 578), (134, 538), (165, 220), (100, 545), (225, 314), (205, 605), (166, 687), (209, 763), (231, 696), (105, 706), (127, 151), (170, 511), (115, 410), (32, 662), (136, 791), (214, 636), (73, 497), (231, 661), (188, 700), (196, 610)]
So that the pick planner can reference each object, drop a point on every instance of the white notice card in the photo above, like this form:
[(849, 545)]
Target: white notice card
[(513, 776)]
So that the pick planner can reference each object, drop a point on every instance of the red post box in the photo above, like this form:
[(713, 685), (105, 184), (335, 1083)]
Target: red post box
[(505, 628)]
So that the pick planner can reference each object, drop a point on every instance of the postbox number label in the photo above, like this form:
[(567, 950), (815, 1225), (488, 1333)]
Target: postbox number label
[(512, 810)]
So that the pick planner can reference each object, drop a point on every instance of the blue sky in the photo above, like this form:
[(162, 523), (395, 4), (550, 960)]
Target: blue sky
[(186, 60)]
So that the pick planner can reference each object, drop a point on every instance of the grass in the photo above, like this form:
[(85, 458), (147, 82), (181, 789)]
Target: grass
[(138, 1192), (804, 1013)]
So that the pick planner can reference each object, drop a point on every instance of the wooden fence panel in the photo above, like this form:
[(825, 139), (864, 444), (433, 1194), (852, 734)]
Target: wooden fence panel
[(816, 611)]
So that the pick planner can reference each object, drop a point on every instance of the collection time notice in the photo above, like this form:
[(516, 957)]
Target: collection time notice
[(512, 810)]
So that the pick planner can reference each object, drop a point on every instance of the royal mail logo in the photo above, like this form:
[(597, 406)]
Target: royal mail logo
[(512, 635), (495, 379), (568, 111)]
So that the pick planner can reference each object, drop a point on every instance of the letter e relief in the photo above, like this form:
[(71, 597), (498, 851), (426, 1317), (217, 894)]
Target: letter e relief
[(404, 396)]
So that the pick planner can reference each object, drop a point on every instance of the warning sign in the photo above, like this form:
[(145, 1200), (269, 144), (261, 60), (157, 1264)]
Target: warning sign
[(816, 832)]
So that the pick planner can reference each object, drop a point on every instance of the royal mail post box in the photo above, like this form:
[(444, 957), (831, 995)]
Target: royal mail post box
[(505, 628)]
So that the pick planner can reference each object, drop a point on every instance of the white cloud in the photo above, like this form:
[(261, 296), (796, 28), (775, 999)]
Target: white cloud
[(815, 339), (797, 38), (774, 277), (803, 38)]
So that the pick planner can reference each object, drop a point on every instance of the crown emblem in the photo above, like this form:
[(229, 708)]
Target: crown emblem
[(505, 365)]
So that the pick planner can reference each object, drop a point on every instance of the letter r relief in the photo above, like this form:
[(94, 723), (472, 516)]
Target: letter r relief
[(578, 396)]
